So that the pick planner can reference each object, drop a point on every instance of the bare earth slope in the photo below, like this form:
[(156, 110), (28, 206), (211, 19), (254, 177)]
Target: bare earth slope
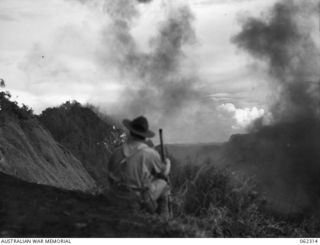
[(29, 152), (85, 134)]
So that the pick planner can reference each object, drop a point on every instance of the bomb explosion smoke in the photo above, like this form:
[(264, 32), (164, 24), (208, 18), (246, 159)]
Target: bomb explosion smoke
[(156, 81), (289, 148), (162, 82), (284, 40)]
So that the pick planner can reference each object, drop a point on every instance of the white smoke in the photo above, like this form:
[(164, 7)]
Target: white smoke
[(243, 116)]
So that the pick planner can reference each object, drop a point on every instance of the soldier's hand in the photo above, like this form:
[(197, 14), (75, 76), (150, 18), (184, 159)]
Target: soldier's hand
[(168, 166), (167, 161)]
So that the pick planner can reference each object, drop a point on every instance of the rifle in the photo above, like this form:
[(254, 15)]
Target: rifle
[(161, 145), (163, 158)]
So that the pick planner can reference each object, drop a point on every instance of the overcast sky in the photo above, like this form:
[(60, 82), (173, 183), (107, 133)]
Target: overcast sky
[(49, 51)]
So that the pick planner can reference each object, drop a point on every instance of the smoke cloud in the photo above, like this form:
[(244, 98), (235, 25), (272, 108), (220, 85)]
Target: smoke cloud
[(165, 87), (161, 82), (285, 40), (243, 117), (155, 81)]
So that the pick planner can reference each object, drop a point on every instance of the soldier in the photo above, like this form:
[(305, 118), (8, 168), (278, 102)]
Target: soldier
[(136, 173)]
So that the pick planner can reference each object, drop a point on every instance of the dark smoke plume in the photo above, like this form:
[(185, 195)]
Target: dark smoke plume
[(164, 87), (284, 40), (288, 149), (159, 83), (156, 81)]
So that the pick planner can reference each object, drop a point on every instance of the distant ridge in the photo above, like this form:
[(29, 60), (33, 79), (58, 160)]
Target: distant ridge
[(196, 153)]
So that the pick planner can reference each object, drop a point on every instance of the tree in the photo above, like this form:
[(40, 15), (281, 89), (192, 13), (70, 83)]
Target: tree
[(2, 83)]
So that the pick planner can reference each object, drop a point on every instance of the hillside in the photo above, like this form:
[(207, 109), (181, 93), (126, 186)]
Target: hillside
[(52, 212), (90, 138), (284, 159), (29, 152)]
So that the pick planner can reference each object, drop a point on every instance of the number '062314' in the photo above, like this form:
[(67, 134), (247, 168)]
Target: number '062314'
[(308, 240)]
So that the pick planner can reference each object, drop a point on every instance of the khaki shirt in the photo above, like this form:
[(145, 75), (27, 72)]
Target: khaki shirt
[(141, 165)]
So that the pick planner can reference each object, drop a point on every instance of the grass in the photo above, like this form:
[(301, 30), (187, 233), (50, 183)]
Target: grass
[(225, 203)]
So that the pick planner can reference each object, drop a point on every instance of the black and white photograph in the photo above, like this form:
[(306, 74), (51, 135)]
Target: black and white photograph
[(159, 119)]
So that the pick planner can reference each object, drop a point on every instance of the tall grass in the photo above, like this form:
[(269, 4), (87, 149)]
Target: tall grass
[(226, 203)]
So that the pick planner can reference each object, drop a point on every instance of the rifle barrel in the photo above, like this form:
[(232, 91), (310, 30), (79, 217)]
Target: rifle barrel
[(161, 145)]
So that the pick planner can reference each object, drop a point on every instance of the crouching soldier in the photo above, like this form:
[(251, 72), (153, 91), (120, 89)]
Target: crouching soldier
[(136, 173)]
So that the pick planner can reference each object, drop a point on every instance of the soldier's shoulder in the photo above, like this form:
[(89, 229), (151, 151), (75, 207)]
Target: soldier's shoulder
[(150, 152)]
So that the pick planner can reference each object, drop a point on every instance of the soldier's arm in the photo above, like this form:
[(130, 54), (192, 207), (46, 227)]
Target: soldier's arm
[(159, 168)]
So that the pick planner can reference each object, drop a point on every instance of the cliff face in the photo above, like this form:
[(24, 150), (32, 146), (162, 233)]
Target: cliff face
[(30, 153)]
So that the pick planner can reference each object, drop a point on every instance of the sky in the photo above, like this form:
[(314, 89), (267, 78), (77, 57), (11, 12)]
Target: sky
[(55, 50)]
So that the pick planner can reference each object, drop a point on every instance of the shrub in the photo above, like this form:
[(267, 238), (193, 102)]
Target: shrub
[(225, 203), (11, 109)]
